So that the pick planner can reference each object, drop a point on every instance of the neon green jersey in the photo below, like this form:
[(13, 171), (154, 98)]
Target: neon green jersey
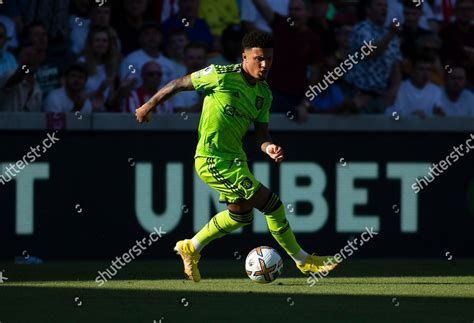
[(231, 104)]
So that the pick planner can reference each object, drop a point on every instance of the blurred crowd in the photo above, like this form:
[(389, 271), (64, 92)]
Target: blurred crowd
[(111, 56)]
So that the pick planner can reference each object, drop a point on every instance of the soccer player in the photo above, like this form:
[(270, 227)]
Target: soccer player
[(235, 96)]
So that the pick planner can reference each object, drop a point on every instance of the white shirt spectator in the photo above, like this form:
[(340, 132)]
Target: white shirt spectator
[(131, 67), (11, 31), (249, 13), (410, 99), (94, 81), (186, 99), (463, 107), (58, 101)]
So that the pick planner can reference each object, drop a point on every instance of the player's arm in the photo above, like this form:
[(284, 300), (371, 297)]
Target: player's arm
[(265, 10), (264, 141), (180, 84)]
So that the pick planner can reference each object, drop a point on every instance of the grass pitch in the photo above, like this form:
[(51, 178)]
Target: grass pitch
[(357, 291)]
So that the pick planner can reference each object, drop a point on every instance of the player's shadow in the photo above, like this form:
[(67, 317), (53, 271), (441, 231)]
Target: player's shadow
[(71, 304)]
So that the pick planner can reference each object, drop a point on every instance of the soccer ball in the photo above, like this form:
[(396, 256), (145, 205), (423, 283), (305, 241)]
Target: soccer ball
[(263, 265)]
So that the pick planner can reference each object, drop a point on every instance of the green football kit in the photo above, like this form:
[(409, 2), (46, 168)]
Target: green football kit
[(230, 106)]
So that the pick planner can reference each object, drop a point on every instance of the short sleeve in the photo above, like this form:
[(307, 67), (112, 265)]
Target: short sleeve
[(205, 79)]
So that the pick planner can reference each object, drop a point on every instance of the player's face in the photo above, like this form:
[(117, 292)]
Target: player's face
[(257, 62)]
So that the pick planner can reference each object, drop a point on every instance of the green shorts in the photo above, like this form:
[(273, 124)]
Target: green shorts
[(231, 178)]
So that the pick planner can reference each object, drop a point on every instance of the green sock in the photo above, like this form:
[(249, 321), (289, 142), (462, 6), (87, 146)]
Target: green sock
[(221, 224), (278, 225)]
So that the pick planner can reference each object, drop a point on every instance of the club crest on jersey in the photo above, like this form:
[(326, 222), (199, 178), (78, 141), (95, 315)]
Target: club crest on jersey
[(246, 183), (259, 102), (229, 110)]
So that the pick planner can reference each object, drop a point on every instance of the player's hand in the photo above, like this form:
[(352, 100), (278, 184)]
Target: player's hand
[(275, 152), (142, 114)]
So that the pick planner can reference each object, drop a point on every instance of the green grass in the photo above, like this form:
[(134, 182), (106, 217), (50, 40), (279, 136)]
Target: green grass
[(358, 291)]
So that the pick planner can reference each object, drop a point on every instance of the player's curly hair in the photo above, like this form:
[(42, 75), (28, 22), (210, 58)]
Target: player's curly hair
[(257, 39)]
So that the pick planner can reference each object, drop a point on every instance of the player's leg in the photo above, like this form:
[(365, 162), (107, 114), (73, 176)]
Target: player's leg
[(224, 176), (270, 205)]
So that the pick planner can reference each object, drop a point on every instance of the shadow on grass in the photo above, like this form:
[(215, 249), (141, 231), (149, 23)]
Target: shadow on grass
[(29, 304), (172, 269)]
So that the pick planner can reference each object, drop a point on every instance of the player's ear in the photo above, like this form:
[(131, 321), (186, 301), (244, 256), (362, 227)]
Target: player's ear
[(244, 56)]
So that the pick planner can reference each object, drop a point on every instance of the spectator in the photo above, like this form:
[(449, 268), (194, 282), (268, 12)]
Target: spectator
[(48, 74), (458, 39), (456, 100), (9, 24), (411, 30), (428, 44), (8, 64), (378, 76), (417, 95), (22, 93), (252, 19), (12, 10), (195, 59), (320, 25), (437, 13), (150, 41), (231, 52), (332, 99), (151, 74), (163, 9), (129, 26), (197, 28), (178, 39), (98, 16), (219, 14), (295, 43), (54, 16), (101, 58), (71, 97)]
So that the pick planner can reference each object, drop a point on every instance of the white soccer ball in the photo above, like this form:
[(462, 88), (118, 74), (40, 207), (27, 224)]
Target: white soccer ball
[(263, 265)]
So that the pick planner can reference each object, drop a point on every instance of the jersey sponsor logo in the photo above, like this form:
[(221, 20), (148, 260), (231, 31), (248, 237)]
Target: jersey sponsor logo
[(246, 183), (259, 102), (197, 75), (233, 112)]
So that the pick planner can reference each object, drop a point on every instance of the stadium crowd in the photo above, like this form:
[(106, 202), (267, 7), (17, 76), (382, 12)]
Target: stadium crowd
[(111, 56)]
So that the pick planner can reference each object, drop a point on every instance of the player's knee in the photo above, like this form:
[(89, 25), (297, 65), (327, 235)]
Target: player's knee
[(271, 205), (244, 218)]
